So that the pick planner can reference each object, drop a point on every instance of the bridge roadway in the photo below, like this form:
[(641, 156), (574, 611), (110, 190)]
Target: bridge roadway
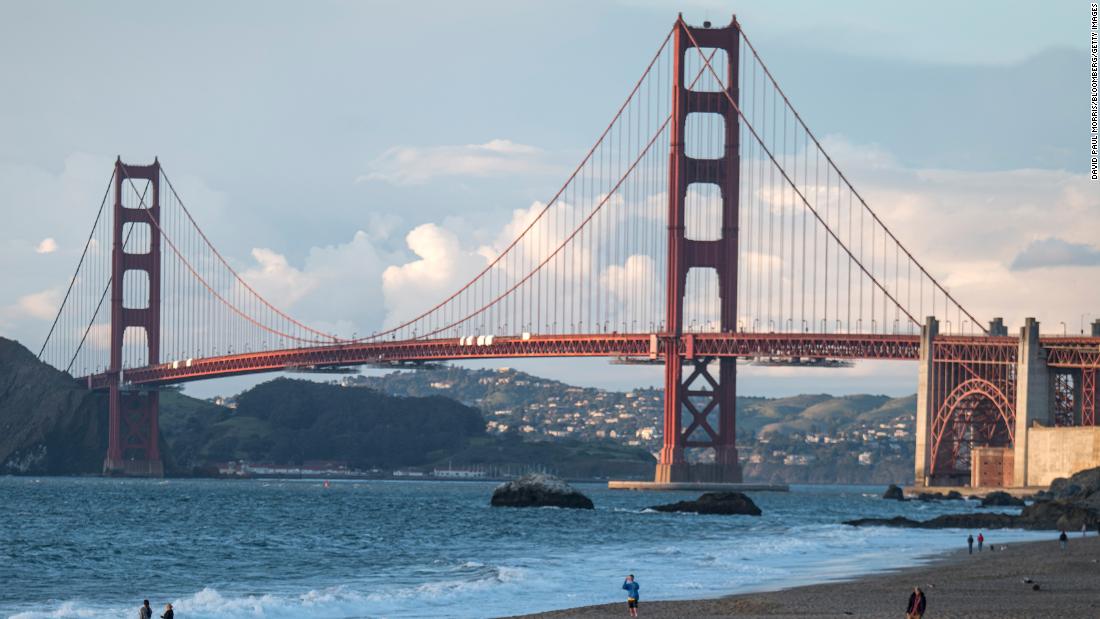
[(1069, 352)]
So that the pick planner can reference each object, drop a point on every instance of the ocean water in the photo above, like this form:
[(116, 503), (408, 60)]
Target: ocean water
[(94, 548)]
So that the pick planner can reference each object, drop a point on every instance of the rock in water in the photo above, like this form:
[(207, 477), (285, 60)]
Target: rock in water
[(953, 495), (947, 521), (894, 493), (725, 503), (896, 521), (538, 490), (1001, 499)]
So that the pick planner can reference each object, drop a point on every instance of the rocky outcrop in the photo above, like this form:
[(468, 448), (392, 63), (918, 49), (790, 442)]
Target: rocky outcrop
[(939, 496), (949, 521), (538, 490), (1001, 499), (724, 503), (1084, 483), (1082, 489), (894, 493), (1052, 515), (1062, 515)]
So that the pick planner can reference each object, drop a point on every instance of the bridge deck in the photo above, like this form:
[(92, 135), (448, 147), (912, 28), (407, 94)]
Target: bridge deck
[(642, 345), (1063, 352)]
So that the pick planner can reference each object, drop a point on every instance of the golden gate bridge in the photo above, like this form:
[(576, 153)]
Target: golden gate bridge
[(707, 223)]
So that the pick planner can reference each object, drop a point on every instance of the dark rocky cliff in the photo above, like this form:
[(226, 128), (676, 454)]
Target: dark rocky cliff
[(49, 425)]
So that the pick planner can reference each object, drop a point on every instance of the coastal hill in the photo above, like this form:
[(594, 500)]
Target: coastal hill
[(50, 425), (296, 421), (813, 438)]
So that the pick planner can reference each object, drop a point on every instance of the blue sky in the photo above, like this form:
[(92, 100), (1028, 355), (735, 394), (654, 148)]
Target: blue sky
[(965, 122)]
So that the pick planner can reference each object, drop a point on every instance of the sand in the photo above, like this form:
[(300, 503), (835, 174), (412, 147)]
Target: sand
[(986, 584)]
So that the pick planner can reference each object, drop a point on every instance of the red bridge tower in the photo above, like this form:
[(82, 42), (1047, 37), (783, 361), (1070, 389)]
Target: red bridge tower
[(133, 426), (702, 401)]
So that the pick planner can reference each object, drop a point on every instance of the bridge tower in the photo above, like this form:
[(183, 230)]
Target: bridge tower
[(133, 429), (699, 410)]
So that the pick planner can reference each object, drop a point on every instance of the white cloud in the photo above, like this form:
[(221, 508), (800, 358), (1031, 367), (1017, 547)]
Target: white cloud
[(275, 280), (337, 289), (441, 267), (40, 305), (633, 275), (412, 165), (47, 246)]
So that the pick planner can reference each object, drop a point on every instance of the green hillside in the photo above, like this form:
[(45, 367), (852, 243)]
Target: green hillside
[(49, 425), (287, 421), (804, 438)]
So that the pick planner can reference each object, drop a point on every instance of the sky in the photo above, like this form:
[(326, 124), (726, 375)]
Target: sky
[(311, 139)]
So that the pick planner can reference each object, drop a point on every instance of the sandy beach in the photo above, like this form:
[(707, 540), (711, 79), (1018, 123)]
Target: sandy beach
[(986, 584)]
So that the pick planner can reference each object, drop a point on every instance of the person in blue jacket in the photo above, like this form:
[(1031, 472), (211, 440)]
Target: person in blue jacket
[(631, 587)]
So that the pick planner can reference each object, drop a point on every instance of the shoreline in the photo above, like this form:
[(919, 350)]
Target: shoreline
[(986, 584)]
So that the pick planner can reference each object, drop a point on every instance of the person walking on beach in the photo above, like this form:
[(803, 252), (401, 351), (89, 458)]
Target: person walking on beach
[(981, 540), (1062, 539), (145, 612), (168, 612), (970, 543), (631, 587), (917, 602)]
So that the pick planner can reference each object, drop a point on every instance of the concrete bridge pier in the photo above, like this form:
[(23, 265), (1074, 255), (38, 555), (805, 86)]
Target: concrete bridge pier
[(1033, 396), (925, 399)]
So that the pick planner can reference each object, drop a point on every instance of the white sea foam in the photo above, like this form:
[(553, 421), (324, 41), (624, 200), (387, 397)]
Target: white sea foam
[(336, 601), (67, 610)]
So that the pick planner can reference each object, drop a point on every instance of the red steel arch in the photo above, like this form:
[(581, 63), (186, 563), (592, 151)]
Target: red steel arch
[(976, 405)]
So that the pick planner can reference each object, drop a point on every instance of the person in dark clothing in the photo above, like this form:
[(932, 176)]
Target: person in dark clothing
[(1062, 539), (145, 612), (917, 602), (631, 587), (168, 612), (970, 543)]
